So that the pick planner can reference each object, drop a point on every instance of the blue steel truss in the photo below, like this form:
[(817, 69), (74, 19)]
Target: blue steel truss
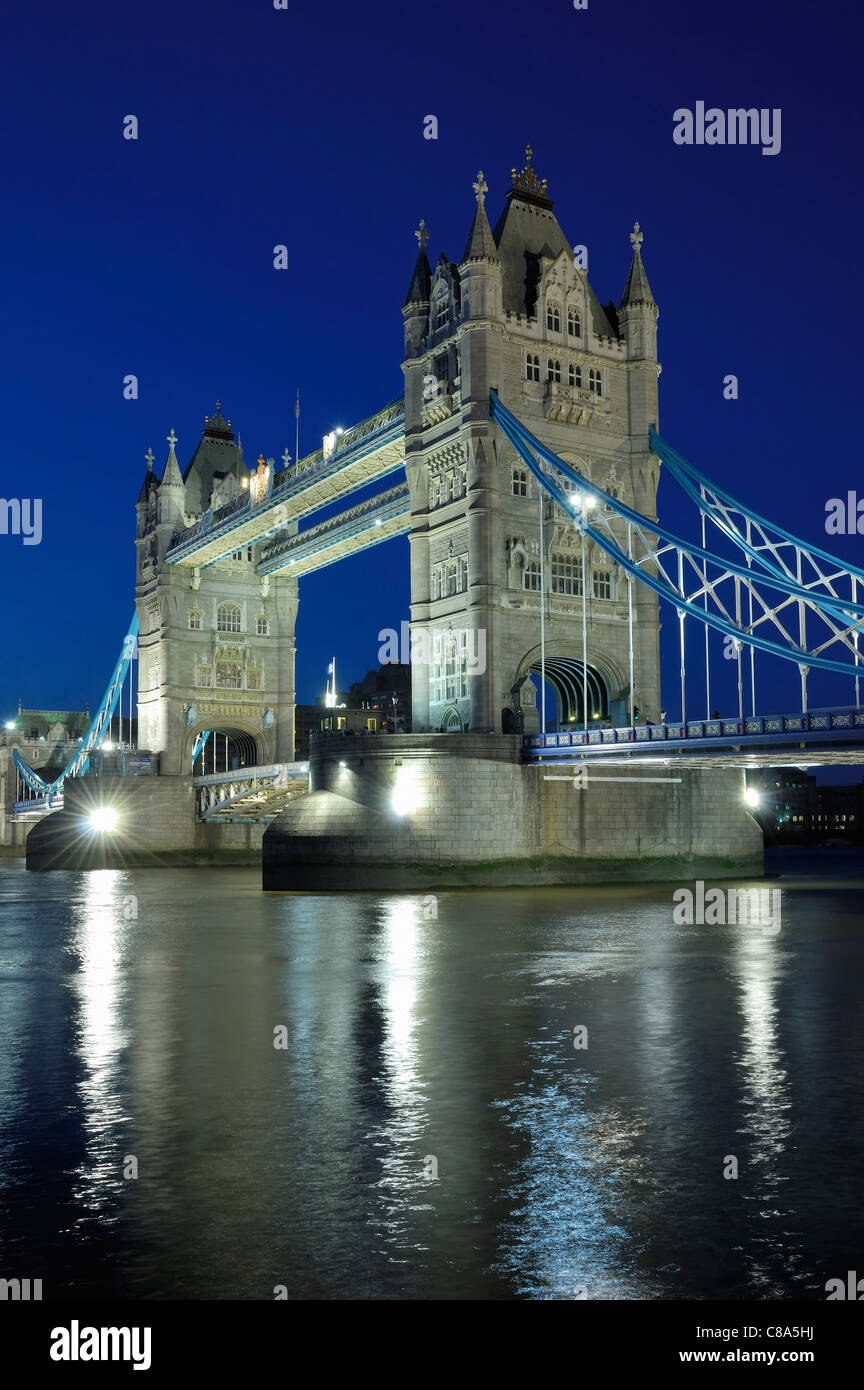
[(98, 729), (702, 584)]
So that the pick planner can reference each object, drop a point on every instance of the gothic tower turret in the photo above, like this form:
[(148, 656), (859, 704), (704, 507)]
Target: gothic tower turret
[(519, 314), (216, 647)]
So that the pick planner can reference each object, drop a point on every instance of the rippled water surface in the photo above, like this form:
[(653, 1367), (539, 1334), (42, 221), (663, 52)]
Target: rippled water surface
[(138, 1014)]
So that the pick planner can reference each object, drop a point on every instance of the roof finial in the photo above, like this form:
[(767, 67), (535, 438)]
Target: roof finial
[(286, 457), (172, 438), (422, 235), (528, 181), (149, 457), (481, 188), (636, 238)]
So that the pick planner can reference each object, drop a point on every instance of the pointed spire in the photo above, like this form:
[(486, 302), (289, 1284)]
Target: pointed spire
[(421, 280), (172, 477), (150, 482), (481, 243), (637, 290)]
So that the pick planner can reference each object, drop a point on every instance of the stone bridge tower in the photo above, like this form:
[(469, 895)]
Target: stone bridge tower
[(518, 313), (216, 650)]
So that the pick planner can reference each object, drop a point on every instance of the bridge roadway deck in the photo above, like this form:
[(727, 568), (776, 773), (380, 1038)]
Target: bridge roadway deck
[(819, 738)]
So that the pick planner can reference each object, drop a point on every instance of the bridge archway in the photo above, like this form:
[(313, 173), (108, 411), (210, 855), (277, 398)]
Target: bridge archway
[(228, 749), (607, 691)]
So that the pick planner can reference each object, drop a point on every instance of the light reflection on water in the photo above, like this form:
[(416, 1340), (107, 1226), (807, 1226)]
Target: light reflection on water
[(409, 1040)]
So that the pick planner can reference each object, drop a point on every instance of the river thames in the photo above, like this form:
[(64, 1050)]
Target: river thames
[(383, 1097)]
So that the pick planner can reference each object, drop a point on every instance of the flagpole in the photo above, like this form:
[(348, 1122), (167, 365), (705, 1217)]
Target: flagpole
[(297, 429)]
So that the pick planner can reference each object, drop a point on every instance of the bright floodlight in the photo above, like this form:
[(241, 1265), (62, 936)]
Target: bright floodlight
[(10, 723), (104, 819), (107, 747), (407, 795), (590, 501), (752, 797)]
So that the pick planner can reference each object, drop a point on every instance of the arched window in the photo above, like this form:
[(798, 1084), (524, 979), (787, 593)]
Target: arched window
[(442, 312), (202, 675), (262, 627), (253, 680), (574, 324), (574, 375), (532, 367), (228, 617), (595, 381), (520, 483), (531, 576), (602, 584), (553, 316), (554, 370), (195, 621)]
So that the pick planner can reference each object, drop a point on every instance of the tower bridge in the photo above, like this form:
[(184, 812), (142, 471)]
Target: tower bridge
[(522, 461)]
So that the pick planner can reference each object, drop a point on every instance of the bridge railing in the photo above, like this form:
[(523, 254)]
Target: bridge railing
[(824, 724)]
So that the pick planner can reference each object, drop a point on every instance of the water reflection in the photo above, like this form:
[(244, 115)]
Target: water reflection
[(408, 1039), (101, 1034)]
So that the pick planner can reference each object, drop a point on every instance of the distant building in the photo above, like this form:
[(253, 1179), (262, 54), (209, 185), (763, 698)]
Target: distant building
[(379, 704), (50, 725), (795, 810)]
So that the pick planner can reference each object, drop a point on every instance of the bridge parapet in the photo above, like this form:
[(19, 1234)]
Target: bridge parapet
[(838, 729)]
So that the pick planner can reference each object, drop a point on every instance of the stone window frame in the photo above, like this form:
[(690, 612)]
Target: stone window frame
[(553, 316), (566, 574), (196, 620), (553, 370), (222, 610), (519, 483), (531, 576), (602, 584), (595, 380), (262, 625), (574, 322), (574, 375), (532, 366)]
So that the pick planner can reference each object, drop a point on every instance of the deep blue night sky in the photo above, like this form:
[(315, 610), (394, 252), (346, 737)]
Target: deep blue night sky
[(304, 127)]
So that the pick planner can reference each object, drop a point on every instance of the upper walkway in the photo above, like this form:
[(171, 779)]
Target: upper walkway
[(360, 455)]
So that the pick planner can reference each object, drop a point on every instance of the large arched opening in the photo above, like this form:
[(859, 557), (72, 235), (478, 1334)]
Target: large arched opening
[(566, 689), (227, 750), (572, 685)]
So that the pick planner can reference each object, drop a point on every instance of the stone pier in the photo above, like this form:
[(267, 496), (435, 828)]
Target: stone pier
[(425, 811), (156, 829)]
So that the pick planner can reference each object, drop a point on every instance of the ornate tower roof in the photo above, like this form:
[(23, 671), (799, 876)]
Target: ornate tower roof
[(215, 457), (637, 290), (527, 232)]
